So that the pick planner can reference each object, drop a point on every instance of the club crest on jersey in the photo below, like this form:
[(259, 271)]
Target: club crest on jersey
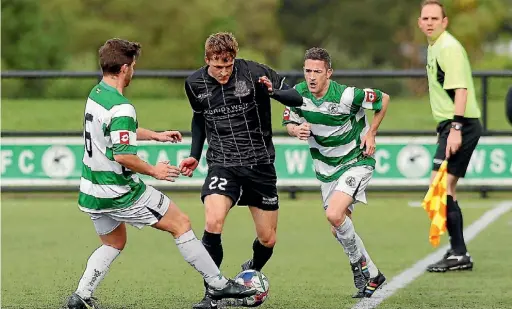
[(241, 89), (333, 109), (124, 137)]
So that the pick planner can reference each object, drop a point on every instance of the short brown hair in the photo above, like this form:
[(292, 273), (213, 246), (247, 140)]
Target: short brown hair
[(117, 52), (222, 44), (436, 2), (317, 53)]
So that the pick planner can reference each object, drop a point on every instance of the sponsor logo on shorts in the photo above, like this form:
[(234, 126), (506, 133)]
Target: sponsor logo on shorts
[(124, 137), (269, 200), (161, 201), (438, 161), (350, 181)]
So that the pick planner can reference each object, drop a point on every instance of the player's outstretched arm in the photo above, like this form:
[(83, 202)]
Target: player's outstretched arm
[(188, 165), (166, 136), (162, 170), (288, 97)]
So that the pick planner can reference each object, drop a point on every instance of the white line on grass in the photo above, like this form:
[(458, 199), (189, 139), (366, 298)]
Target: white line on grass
[(410, 274)]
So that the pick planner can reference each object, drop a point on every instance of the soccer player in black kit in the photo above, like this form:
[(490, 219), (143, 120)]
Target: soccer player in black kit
[(230, 98)]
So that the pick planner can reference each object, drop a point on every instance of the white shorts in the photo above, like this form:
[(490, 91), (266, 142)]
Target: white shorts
[(353, 182), (147, 210)]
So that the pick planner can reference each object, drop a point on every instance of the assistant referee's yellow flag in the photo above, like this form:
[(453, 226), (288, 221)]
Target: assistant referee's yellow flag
[(434, 204)]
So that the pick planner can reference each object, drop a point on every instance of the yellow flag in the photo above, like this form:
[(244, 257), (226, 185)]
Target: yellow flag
[(434, 204)]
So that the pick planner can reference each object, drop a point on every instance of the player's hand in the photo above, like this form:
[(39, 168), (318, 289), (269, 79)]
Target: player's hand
[(453, 143), (164, 171), (302, 131), (168, 136), (266, 81), (188, 165), (368, 142)]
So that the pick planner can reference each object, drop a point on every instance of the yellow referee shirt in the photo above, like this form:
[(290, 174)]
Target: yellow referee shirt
[(448, 68)]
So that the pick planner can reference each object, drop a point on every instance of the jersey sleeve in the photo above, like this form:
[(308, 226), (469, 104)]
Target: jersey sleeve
[(192, 98), (368, 98), (291, 115), (123, 129), (453, 61)]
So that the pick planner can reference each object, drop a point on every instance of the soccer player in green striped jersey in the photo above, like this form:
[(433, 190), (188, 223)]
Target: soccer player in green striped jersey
[(112, 194), (342, 143)]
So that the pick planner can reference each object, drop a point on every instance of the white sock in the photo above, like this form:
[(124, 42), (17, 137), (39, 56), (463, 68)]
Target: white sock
[(346, 236), (372, 268), (196, 255), (97, 267)]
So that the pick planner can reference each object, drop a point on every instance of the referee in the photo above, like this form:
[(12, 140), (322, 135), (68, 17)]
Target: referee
[(455, 109)]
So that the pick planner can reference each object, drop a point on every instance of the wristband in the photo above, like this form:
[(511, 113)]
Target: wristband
[(459, 119)]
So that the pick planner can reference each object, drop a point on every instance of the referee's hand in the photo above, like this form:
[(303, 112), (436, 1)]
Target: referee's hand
[(453, 143)]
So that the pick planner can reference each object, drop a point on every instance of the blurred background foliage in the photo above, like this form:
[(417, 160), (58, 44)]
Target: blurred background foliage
[(362, 34)]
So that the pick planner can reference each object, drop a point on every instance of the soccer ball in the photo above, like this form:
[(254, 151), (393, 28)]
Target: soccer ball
[(255, 279)]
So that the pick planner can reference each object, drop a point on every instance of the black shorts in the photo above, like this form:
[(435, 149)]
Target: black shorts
[(246, 185), (457, 163)]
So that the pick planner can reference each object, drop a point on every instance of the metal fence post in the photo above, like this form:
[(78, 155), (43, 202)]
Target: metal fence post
[(485, 84)]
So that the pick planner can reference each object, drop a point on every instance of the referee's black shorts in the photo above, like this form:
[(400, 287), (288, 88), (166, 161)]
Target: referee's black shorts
[(457, 163)]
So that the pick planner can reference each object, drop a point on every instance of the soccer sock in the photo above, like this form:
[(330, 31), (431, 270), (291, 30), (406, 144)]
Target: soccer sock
[(346, 235), (372, 268), (197, 256), (454, 226), (96, 269), (213, 244), (261, 255)]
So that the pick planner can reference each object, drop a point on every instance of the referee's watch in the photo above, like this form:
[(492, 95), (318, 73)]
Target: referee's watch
[(456, 126)]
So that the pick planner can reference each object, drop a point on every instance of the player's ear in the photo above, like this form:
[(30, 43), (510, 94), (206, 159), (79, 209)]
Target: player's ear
[(329, 72), (207, 60), (445, 22)]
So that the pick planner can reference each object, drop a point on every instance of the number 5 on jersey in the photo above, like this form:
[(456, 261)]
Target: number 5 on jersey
[(217, 182)]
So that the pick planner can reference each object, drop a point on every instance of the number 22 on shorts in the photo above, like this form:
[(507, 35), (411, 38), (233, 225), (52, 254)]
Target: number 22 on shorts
[(218, 183)]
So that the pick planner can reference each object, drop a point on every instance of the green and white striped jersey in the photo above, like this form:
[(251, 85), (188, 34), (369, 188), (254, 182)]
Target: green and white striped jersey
[(338, 123), (110, 128)]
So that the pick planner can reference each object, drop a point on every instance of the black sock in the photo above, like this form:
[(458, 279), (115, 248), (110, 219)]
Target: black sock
[(212, 243), (454, 226), (261, 255)]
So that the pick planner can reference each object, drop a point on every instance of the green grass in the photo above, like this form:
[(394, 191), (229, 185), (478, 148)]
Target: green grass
[(159, 114), (46, 241)]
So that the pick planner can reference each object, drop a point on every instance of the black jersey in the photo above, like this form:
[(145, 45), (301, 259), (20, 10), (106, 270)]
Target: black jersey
[(237, 114)]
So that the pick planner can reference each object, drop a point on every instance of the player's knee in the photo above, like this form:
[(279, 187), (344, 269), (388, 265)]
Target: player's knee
[(183, 225), (118, 243), (214, 224), (334, 216), (268, 239)]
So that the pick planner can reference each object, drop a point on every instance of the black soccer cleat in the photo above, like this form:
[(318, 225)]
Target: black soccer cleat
[(361, 273), (452, 261), (77, 302), (247, 265), (206, 303), (374, 284), (231, 290)]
